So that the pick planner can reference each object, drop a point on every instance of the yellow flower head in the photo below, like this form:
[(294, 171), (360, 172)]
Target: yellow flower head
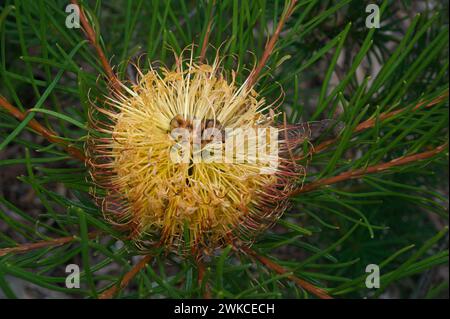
[(174, 161)]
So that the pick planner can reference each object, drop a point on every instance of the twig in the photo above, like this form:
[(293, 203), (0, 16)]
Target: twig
[(48, 243), (108, 294), (383, 116), (48, 134), (253, 77), (207, 34), (92, 37), (353, 174), (280, 270)]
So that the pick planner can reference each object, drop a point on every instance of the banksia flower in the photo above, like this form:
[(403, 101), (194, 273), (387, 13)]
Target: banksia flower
[(174, 162)]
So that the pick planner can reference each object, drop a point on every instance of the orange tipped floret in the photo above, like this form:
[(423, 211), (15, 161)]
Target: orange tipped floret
[(206, 202)]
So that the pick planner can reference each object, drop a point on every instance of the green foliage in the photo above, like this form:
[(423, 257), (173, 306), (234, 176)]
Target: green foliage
[(326, 64)]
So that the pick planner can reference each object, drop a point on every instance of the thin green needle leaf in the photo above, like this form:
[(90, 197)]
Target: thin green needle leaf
[(39, 103)]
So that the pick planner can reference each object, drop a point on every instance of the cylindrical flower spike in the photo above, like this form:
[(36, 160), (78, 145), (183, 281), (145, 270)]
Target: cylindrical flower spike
[(188, 158)]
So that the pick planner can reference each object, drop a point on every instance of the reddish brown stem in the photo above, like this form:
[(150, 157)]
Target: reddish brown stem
[(42, 244), (353, 174), (92, 37), (207, 34), (383, 116), (111, 292), (318, 292), (48, 134), (254, 74)]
